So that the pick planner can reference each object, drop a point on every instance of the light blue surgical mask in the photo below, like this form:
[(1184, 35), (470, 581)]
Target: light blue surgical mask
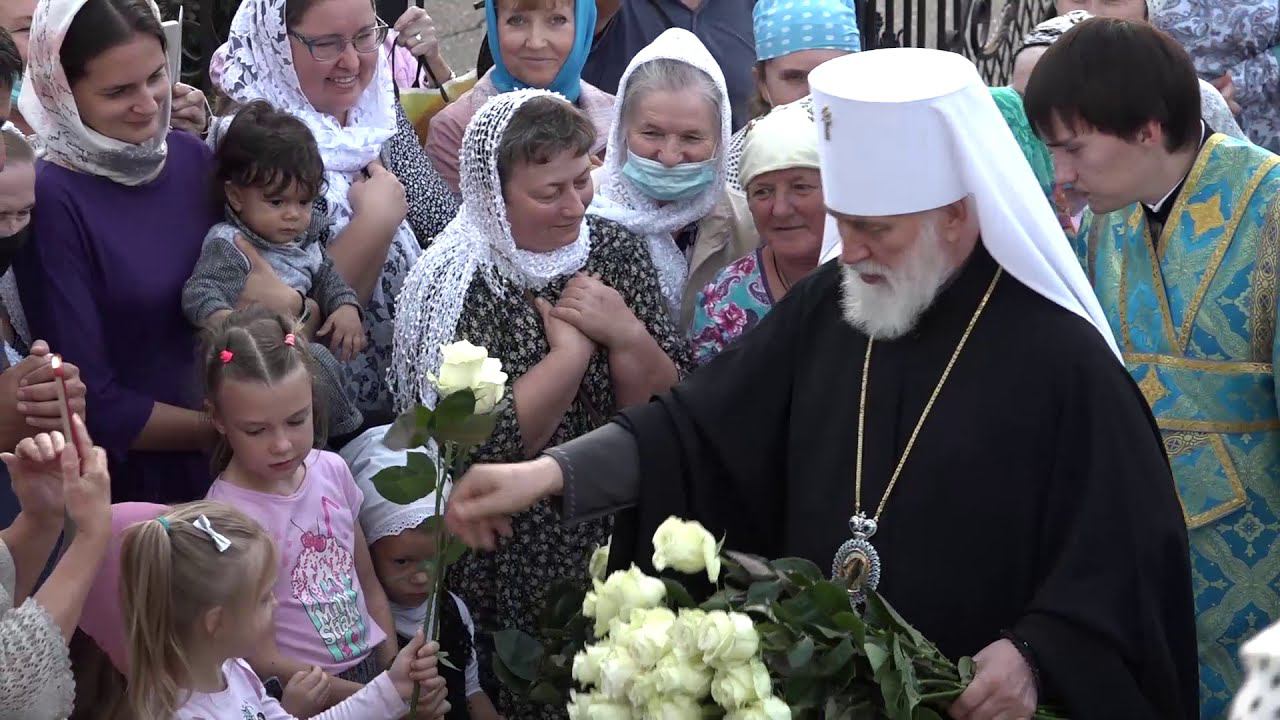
[(669, 184), (16, 91)]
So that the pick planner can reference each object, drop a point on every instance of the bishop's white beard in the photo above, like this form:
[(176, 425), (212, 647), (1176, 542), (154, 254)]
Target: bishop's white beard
[(891, 308)]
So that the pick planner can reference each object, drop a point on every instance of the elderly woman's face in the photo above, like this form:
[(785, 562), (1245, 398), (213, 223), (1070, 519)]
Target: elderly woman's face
[(547, 201), (334, 86), (1023, 64), (788, 210), (1123, 9), (535, 42), (674, 127)]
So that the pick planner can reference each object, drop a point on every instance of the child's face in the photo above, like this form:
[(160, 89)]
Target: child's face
[(253, 618), (278, 216), (17, 196), (398, 560), (269, 427)]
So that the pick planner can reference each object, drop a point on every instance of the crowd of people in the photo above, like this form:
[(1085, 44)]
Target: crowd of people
[(682, 226)]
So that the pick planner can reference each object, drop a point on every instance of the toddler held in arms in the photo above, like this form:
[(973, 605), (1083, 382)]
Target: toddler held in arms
[(198, 595), (269, 171), (332, 612)]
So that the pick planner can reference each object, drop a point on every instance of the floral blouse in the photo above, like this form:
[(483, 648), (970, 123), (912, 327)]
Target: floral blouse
[(508, 588), (729, 306)]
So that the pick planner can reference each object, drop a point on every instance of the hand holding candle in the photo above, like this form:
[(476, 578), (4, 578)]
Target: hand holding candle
[(39, 400)]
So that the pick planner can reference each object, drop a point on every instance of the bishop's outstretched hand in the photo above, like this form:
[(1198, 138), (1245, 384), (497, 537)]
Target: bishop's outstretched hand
[(483, 501)]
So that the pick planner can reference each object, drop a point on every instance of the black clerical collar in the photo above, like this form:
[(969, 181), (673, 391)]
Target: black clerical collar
[(959, 297), (1158, 214)]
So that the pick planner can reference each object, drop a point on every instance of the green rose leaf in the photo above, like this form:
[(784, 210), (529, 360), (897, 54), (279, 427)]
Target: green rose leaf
[(880, 614), (454, 550), (910, 690), (455, 420), (764, 593), (677, 595), (409, 430), (799, 569), (836, 659), (801, 653), (407, 483), (967, 670), (546, 694), (924, 713), (519, 652)]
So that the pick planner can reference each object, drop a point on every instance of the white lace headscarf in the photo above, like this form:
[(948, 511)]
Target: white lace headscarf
[(259, 66), (50, 109), (477, 244), (621, 201)]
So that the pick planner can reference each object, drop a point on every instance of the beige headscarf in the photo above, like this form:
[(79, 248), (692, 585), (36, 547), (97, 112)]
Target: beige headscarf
[(49, 107), (783, 139)]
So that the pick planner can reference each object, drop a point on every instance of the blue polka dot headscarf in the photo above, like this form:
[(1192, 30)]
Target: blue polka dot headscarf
[(786, 26)]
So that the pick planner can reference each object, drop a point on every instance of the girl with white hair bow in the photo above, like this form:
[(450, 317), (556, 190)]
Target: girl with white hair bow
[(568, 302)]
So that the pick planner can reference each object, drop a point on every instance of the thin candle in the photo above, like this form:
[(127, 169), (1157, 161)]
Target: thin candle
[(64, 409)]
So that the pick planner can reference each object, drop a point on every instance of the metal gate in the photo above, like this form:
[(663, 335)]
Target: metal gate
[(986, 31)]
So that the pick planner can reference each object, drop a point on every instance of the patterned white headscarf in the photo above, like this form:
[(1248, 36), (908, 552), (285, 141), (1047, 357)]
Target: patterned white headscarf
[(50, 109), (259, 66), (476, 244), (621, 201)]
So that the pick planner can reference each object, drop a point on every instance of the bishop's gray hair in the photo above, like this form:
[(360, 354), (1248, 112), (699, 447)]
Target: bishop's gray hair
[(669, 75)]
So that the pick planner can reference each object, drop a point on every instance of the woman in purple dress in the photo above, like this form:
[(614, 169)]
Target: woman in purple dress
[(122, 205)]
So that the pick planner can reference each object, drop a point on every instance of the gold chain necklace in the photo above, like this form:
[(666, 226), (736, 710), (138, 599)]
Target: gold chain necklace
[(857, 562)]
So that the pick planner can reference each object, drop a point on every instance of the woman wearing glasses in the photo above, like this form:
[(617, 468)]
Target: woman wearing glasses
[(320, 60), (124, 205)]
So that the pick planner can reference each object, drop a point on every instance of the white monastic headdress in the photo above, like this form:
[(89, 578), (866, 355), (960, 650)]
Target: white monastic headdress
[(619, 200), (476, 244), (905, 130)]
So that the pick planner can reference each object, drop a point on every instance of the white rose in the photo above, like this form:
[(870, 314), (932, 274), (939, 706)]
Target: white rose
[(586, 664), (741, 685), (673, 707), (727, 639), (770, 709), (623, 592), (687, 547), (460, 364), (677, 675), (599, 563), (489, 386), (594, 706), (618, 672), (649, 635), (684, 634)]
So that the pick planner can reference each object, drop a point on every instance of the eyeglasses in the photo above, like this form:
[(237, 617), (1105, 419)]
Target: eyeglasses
[(329, 47)]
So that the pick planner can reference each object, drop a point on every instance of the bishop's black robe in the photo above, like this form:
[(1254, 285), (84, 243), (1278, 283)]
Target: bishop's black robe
[(1037, 499)]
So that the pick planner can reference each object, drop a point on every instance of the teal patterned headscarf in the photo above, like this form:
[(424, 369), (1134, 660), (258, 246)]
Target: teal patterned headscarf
[(1036, 152), (786, 26)]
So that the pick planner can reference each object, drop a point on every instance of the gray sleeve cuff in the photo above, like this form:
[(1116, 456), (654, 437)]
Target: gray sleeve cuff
[(601, 473)]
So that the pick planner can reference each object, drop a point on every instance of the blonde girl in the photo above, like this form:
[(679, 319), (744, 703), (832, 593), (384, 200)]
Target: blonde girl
[(332, 611), (197, 592)]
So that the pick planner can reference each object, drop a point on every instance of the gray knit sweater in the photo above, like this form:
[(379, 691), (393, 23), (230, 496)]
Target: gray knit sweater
[(219, 275)]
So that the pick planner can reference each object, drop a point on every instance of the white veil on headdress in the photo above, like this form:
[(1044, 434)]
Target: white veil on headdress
[(50, 109), (477, 243), (619, 200), (259, 66)]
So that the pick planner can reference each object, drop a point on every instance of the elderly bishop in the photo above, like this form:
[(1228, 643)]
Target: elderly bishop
[(942, 412)]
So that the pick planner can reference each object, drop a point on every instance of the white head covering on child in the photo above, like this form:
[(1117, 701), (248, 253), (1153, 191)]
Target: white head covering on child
[(50, 109)]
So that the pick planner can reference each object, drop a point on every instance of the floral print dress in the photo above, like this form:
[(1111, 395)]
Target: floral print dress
[(729, 306), (508, 588)]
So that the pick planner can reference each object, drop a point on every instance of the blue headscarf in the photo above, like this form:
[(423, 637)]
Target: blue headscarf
[(568, 82), (786, 26)]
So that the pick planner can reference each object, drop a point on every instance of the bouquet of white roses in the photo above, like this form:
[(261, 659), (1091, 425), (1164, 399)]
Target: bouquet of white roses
[(776, 639), (470, 388)]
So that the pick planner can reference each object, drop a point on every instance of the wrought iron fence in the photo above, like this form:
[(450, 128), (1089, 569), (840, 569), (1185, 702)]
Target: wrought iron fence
[(986, 31)]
